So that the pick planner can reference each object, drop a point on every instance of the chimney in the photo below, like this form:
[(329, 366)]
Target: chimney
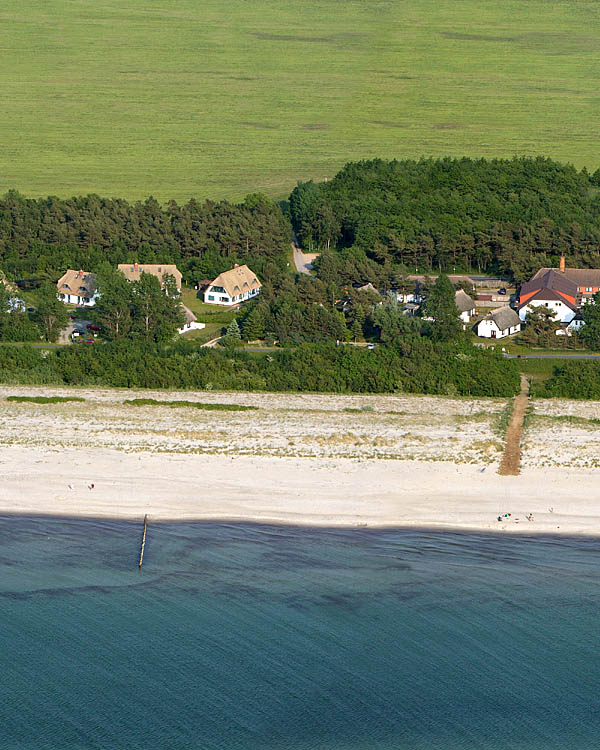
[(236, 265), (135, 265), (562, 263)]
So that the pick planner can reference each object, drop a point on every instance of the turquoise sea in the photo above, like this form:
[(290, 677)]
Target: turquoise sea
[(250, 636)]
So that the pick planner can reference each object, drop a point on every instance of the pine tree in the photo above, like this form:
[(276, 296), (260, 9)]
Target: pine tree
[(233, 336), (51, 313), (441, 306), (113, 307), (254, 325), (590, 333), (233, 330)]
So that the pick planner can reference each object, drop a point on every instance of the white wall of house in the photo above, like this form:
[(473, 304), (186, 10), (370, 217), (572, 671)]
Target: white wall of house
[(218, 296), (489, 330), (193, 326), (75, 299), (467, 315), (562, 312), (410, 297)]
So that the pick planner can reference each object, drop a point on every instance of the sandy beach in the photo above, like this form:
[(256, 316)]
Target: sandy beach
[(315, 460)]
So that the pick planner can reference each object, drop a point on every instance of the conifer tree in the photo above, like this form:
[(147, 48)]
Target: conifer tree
[(51, 313), (441, 306)]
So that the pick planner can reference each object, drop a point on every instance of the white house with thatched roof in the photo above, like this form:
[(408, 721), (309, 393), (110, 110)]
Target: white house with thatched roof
[(232, 287), (499, 323), (465, 305), (134, 271), (77, 288), (191, 322)]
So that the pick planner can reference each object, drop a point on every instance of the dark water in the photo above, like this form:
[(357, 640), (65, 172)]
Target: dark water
[(240, 636)]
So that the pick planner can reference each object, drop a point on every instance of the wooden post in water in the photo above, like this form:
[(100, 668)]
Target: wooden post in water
[(141, 560)]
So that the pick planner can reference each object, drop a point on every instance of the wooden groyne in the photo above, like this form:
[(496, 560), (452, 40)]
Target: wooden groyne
[(141, 560)]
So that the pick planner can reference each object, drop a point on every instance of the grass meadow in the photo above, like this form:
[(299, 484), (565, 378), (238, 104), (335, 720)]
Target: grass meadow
[(217, 99)]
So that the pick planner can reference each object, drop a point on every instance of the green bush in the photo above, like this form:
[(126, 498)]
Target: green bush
[(44, 399), (193, 404)]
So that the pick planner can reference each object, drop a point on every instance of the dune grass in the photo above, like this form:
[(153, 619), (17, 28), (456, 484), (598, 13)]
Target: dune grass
[(193, 404), (218, 99), (44, 399)]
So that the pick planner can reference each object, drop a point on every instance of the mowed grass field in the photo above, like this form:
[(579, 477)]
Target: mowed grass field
[(216, 99)]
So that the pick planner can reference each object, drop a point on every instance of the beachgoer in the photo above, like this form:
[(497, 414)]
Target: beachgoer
[(91, 487)]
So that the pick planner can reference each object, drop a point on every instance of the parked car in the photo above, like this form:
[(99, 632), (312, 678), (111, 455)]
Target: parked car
[(371, 346), (502, 291), (89, 341), (92, 327)]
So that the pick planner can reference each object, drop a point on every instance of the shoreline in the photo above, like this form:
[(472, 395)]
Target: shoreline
[(340, 493)]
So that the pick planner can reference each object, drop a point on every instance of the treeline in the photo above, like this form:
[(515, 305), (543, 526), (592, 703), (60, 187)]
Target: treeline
[(40, 238), (414, 365), (386, 218), (575, 379)]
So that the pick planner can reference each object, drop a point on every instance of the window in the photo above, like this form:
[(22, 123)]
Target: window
[(211, 296), (588, 289), (224, 299), (159, 269)]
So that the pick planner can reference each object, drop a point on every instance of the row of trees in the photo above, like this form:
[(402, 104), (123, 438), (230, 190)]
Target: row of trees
[(141, 309), (509, 216), (309, 313), (414, 365), (39, 238)]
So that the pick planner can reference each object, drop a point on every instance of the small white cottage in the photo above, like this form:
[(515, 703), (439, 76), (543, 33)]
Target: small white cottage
[(191, 322), (465, 305), (499, 323)]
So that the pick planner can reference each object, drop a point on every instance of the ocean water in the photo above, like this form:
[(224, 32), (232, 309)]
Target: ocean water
[(250, 636)]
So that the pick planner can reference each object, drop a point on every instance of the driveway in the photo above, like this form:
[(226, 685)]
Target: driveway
[(79, 324), (302, 261)]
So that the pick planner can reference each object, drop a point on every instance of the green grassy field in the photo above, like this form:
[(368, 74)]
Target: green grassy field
[(213, 99)]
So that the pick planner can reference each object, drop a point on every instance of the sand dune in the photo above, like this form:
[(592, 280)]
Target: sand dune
[(407, 461)]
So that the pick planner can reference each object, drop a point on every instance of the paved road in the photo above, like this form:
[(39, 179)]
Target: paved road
[(552, 356), (213, 342), (302, 261)]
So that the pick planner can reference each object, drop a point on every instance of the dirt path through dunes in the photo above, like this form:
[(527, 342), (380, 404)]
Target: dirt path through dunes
[(511, 460)]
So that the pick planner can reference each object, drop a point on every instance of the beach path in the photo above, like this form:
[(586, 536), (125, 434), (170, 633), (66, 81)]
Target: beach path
[(511, 460)]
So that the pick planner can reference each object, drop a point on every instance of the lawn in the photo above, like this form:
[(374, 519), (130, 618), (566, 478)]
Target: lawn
[(206, 313), (214, 99)]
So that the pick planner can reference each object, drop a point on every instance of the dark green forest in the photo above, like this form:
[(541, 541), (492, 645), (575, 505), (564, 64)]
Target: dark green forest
[(571, 379), (387, 218), (413, 365), (43, 237)]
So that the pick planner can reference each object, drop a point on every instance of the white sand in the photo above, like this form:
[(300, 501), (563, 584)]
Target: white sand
[(303, 491), (300, 459)]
